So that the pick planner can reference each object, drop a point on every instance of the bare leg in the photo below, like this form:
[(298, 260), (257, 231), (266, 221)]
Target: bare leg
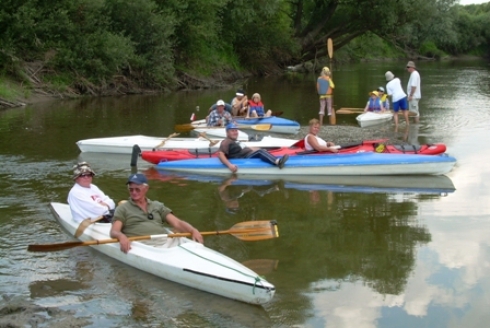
[(395, 117), (321, 119), (405, 113)]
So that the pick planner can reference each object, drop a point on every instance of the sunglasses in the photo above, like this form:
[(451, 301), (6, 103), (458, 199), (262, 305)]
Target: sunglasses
[(138, 190), (86, 175)]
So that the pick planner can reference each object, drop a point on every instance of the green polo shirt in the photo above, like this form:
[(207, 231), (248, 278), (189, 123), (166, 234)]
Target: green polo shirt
[(135, 221)]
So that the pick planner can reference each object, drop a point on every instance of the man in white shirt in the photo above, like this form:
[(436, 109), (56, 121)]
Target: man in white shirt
[(86, 200), (398, 97), (413, 90)]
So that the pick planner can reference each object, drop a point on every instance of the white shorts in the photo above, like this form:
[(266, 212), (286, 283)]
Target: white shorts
[(413, 106)]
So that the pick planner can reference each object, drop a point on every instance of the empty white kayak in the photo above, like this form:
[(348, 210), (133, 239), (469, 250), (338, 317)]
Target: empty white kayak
[(124, 144), (370, 118), (180, 260)]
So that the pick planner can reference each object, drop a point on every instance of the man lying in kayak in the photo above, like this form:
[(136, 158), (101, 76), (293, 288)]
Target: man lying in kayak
[(230, 148), (141, 216)]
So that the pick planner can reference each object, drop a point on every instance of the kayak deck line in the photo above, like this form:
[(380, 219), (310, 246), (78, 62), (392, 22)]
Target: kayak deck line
[(254, 285), (256, 278)]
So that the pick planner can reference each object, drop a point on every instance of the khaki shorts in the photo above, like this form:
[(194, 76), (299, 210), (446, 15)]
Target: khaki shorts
[(413, 106)]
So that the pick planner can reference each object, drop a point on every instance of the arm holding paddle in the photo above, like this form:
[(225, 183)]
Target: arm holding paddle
[(142, 216)]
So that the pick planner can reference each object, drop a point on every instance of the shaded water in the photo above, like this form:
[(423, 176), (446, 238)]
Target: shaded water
[(360, 252)]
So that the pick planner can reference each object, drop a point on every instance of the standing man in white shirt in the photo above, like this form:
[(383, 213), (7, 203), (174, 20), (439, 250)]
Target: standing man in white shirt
[(394, 89), (413, 90)]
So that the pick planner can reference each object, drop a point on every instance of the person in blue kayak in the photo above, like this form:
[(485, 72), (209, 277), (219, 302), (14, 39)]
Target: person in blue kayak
[(374, 103), (230, 148), (140, 216), (239, 104), (256, 107)]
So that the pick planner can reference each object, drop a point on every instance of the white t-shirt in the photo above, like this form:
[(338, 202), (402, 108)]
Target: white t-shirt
[(395, 90), (414, 81), (85, 202), (320, 141)]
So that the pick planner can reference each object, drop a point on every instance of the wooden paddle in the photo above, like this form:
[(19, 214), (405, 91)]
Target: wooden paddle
[(189, 127), (165, 140), (278, 113), (211, 142), (246, 231), (330, 48), (344, 110)]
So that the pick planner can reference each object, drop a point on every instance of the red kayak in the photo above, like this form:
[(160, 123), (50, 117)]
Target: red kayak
[(158, 156)]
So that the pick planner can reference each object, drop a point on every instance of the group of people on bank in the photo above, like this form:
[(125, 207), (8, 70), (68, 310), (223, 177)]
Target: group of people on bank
[(221, 113), (379, 102)]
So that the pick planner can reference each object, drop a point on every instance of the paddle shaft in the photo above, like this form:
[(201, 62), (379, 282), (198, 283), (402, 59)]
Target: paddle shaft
[(189, 127), (250, 231)]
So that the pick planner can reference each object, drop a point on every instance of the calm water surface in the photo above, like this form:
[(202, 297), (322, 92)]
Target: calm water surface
[(356, 253)]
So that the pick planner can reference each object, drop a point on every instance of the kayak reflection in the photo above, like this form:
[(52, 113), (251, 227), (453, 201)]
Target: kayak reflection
[(441, 185)]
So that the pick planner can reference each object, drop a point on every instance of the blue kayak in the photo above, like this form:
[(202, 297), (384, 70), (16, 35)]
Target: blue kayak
[(279, 125), (323, 165)]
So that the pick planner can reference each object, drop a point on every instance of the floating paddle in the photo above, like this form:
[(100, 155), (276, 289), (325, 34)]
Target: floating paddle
[(189, 127), (246, 231), (165, 140), (211, 142)]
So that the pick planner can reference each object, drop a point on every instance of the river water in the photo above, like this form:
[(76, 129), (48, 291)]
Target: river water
[(380, 252)]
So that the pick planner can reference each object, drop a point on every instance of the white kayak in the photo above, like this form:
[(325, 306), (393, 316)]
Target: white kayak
[(124, 144), (369, 118), (180, 260), (218, 132)]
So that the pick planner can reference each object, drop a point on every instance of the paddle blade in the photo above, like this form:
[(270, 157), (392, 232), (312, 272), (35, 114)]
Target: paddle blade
[(330, 48), (257, 127), (55, 247), (184, 127), (255, 230), (85, 224)]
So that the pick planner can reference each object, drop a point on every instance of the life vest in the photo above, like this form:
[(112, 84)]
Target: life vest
[(323, 86), (257, 107), (374, 105)]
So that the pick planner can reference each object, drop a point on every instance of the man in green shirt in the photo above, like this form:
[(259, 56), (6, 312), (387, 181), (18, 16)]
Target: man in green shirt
[(141, 216)]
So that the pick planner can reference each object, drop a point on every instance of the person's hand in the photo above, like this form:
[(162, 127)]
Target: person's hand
[(233, 168), (124, 243), (196, 236), (334, 150)]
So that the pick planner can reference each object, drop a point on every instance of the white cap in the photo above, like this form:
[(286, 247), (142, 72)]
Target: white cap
[(220, 103)]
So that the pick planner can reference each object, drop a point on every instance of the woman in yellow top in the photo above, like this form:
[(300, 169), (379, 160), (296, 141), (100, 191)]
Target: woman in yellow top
[(324, 88)]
